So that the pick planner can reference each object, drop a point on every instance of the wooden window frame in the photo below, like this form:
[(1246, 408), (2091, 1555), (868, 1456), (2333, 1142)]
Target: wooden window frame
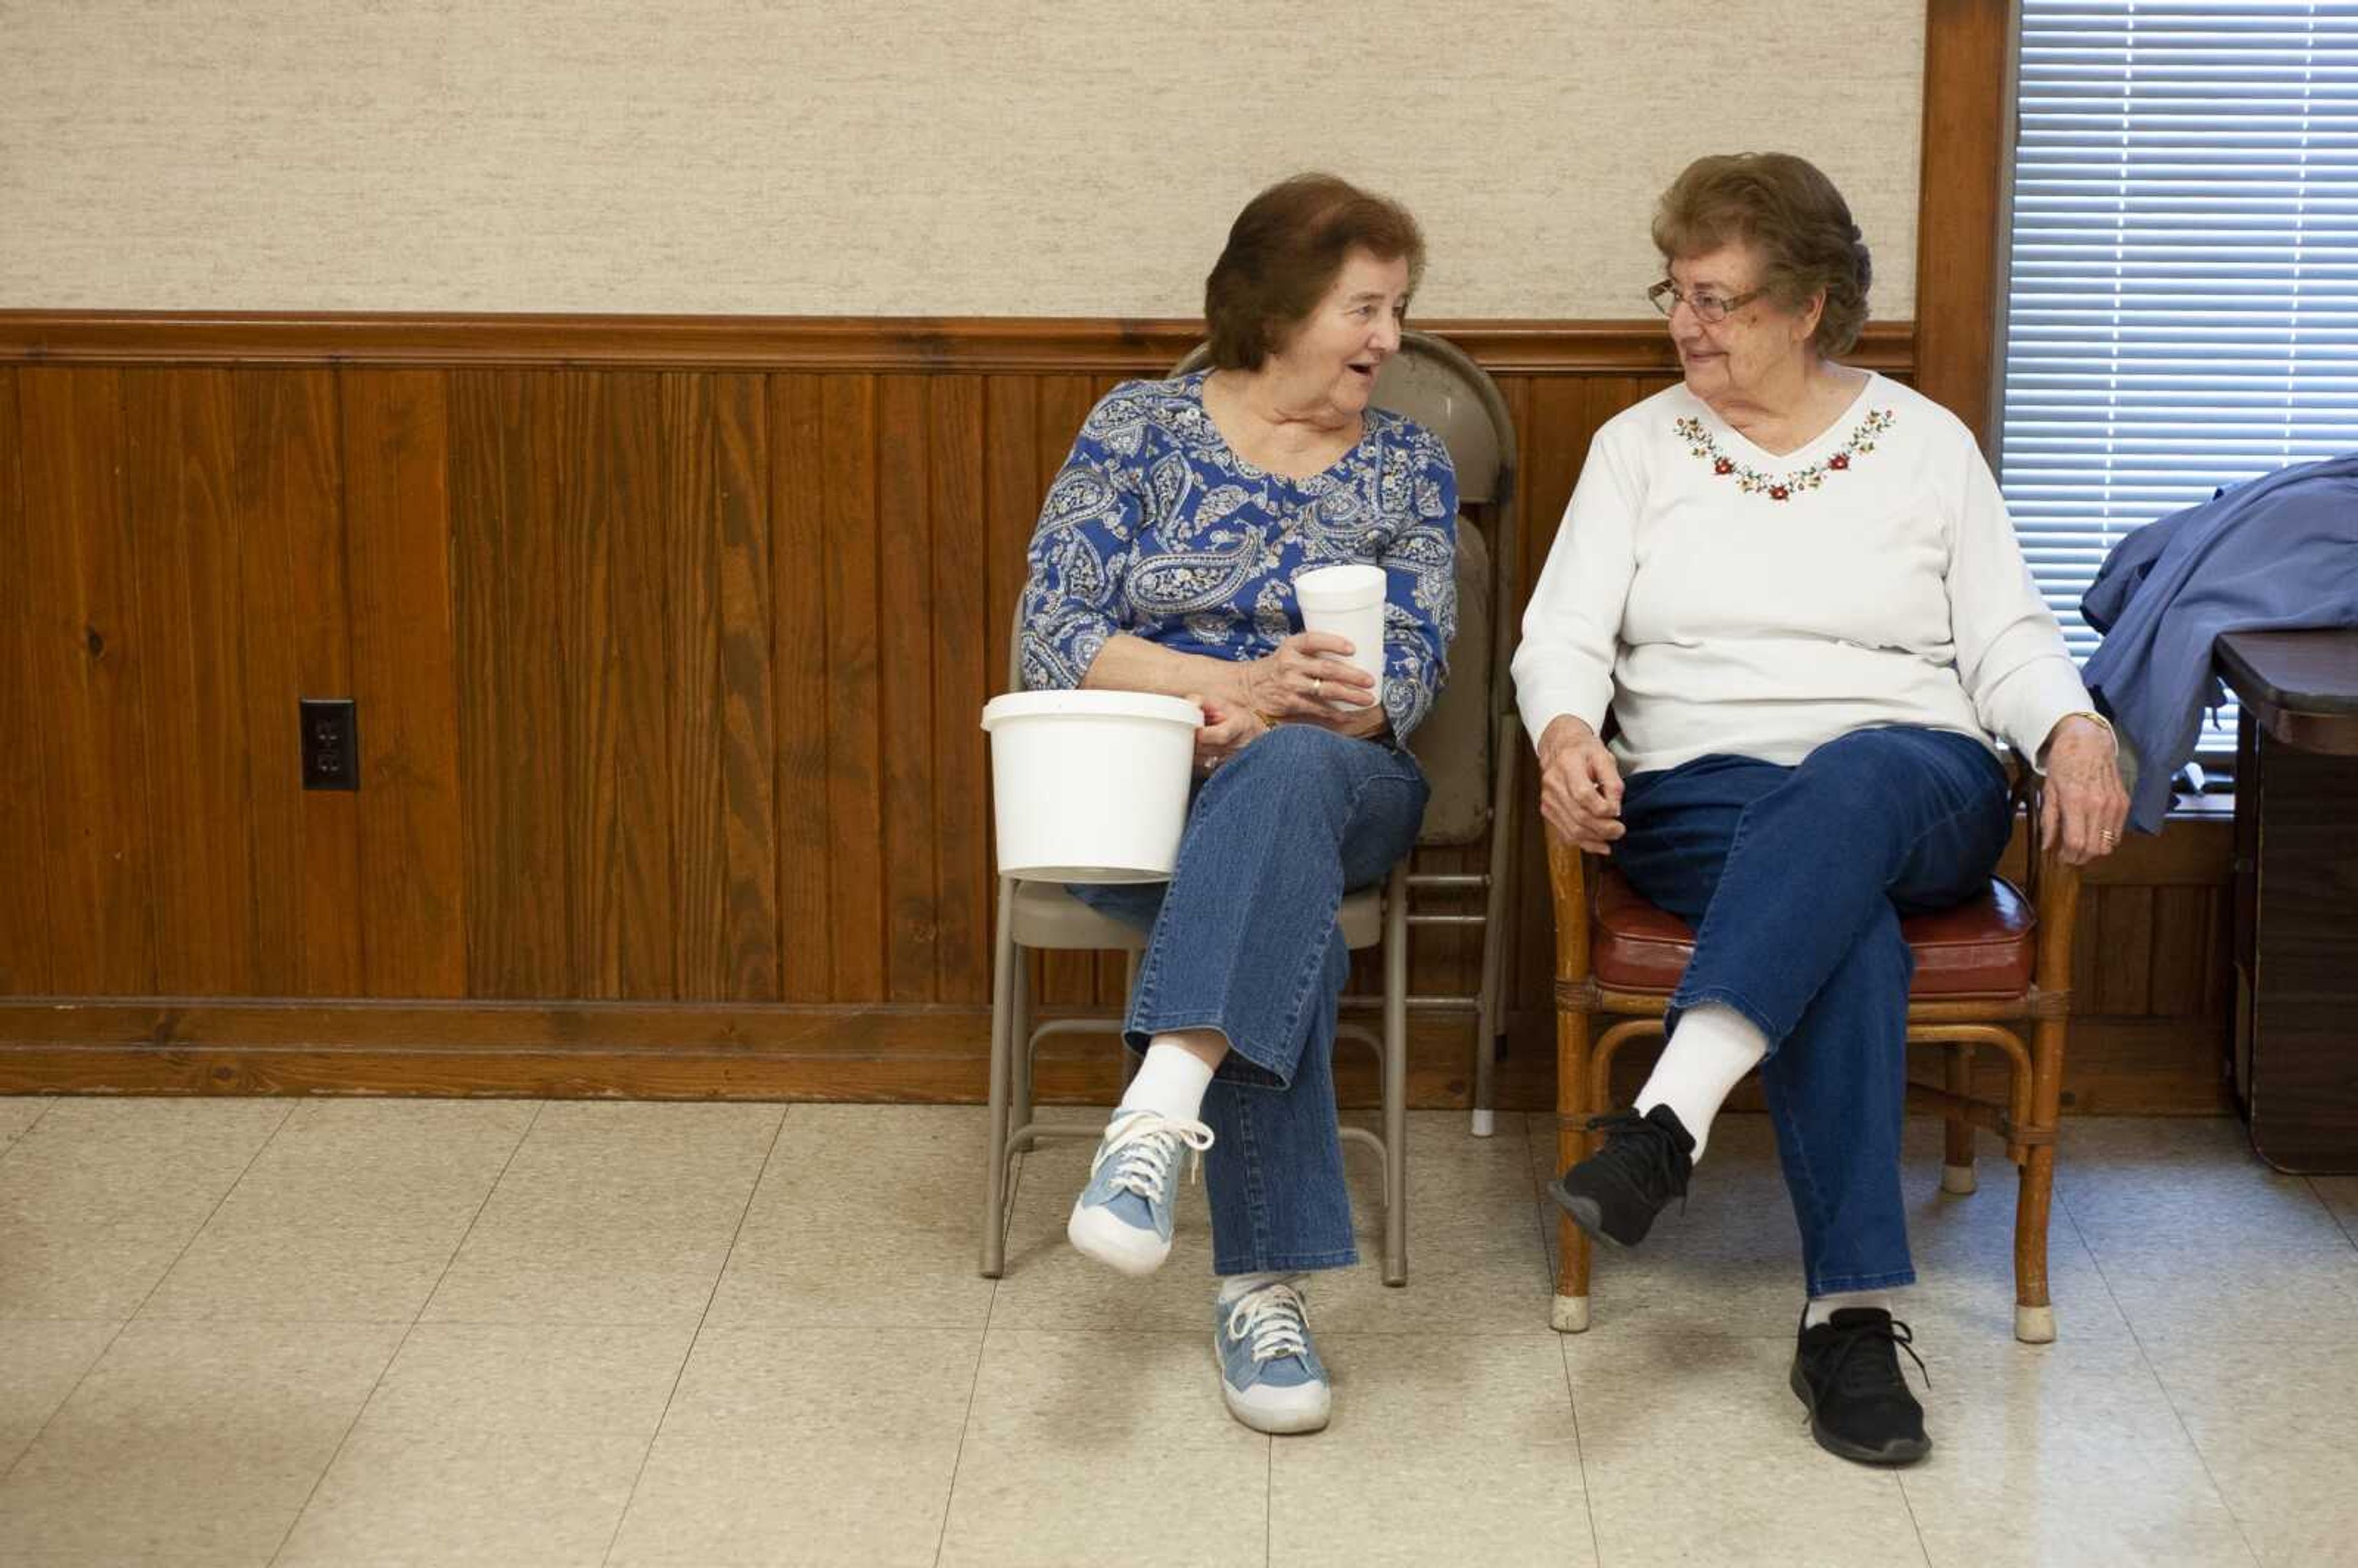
[(1962, 207)]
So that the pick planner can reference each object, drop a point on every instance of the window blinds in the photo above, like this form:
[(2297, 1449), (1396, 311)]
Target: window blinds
[(2182, 305)]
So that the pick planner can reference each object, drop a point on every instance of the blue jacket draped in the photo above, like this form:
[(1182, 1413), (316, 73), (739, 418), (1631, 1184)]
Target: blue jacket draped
[(2279, 553)]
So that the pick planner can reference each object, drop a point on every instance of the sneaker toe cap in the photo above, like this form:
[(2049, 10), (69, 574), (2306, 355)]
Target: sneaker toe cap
[(1267, 1407)]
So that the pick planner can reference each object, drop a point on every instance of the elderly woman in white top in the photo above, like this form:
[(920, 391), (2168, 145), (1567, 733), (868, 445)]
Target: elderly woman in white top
[(1793, 585)]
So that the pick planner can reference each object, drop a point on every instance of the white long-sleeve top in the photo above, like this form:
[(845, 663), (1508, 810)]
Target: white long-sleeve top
[(1722, 599)]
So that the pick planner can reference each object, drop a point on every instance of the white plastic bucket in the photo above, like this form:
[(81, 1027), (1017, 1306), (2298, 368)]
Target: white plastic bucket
[(1090, 786), (1348, 600)]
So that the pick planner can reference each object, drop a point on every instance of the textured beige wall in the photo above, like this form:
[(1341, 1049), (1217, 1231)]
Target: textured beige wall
[(954, 157)]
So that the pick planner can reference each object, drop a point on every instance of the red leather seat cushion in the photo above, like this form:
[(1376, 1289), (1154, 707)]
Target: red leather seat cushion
[(1986, 947)]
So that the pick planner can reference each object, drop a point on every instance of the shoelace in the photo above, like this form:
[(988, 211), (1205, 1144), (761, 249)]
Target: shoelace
[(1854, 1375), (1649, 1145), (1274, 1317), (1144, 1147)]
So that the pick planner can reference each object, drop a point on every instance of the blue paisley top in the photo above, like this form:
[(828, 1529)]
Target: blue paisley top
[(1154, 527)]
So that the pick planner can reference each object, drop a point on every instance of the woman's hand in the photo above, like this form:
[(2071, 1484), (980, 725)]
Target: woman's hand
[(2083, 808), (1227, 728), (1303, 681), (1579, 786)]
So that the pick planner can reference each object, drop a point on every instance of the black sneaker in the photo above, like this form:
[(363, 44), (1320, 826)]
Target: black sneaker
[(1846, 1370), (1617, 1191)]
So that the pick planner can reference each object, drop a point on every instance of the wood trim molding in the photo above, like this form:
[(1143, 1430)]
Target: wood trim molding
[(938, 1054), (1960, 226), (2122, 1066), (965, 344)]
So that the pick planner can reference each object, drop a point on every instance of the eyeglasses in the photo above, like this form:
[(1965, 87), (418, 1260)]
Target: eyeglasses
[(1710, 308)]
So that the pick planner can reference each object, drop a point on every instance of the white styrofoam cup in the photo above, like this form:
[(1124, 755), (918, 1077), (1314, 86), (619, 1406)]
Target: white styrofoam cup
[(1348, 600)]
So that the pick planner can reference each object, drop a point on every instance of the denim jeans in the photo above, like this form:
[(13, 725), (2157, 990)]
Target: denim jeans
[(1242, 939), (1795, 878)]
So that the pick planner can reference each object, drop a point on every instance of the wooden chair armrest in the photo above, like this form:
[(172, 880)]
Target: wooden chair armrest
[(1568, 889)]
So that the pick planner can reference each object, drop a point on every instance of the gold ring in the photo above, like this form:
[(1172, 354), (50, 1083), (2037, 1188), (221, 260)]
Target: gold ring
[(1318, 685), (2111, 836)]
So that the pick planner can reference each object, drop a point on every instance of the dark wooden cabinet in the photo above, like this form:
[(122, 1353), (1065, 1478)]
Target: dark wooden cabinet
[(2296, 895)]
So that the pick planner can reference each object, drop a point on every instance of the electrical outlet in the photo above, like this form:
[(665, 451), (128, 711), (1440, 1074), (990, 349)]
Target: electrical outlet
[(332, 749)]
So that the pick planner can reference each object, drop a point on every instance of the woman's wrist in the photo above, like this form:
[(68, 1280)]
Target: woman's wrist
[(2090, 721), (1245, 687), (1564, 730)]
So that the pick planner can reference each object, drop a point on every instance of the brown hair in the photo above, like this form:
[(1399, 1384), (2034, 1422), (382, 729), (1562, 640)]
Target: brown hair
[(1791, 214), (1282, 256)]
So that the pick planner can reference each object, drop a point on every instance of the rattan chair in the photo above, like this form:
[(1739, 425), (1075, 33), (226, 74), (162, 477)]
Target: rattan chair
[(1995, 972)]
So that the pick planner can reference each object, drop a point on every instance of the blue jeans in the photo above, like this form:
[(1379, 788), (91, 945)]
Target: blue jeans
[(1795, 879), (1243, 940)]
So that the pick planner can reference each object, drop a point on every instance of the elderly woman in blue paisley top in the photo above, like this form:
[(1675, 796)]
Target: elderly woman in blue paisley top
[(1164, 562), (1794, 585)]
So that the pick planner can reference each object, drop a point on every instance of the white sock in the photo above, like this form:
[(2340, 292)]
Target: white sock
[(1711, 1049), (1822, 1308), (1171, 1082), (1236, 1286)]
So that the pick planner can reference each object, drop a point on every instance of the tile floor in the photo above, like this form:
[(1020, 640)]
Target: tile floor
[(334, 1332)]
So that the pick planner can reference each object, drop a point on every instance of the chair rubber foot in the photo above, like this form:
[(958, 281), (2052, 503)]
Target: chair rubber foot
[(1569, 1315), (1958, 1179), (1486, 1122), (2035, 1325)]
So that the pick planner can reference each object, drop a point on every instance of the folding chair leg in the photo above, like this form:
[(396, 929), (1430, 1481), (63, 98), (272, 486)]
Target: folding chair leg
[(1004, 961), (1131, 1060), (1019, 1035), (1487, 1024), (1395, 1077)]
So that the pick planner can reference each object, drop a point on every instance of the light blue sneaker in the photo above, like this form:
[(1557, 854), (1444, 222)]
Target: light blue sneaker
[(1270, 1372), (1122, 1219)]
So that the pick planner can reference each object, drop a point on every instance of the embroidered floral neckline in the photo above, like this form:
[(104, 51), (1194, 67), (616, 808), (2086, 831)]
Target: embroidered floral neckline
[(1782, 487)]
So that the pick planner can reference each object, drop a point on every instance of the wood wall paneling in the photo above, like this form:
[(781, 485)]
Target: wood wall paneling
[(635, 515), (590, 648), (404, 680), (2179, 951), (669, 682), (801, 673), (907, 643), (737, 890), (688, 537), (188, 591), (25, 869), (295, 636), (963, 679), (87, 665), (508, 602), (853, 779)]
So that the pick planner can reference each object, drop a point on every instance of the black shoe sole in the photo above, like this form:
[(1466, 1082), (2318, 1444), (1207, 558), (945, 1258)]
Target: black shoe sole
[(1586, 1214), (1900, 1450)]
